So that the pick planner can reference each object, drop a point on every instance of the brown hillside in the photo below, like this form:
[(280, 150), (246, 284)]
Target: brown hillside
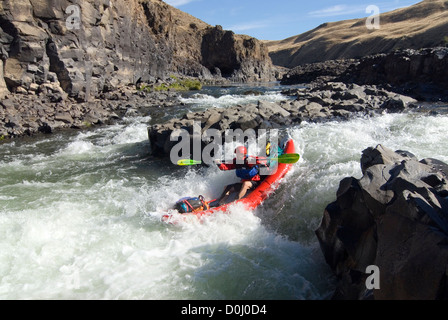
[(424, 24)]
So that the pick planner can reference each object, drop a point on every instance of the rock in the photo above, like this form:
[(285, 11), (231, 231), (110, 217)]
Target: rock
[(317, 72), (396, 218), (21, 90), (64, 117), (227, 52), (34, 87), (265, 115), (214, 118), (3, 88), (249, 121), (312, 108), (45, 128), (378, 155), (129, 42), (268, 109), (420, 73)]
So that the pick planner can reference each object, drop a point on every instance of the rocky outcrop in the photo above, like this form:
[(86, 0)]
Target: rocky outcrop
[(92, 47), (422, 74), (236, 57), (320, 103), (396, 218), (320, 72)]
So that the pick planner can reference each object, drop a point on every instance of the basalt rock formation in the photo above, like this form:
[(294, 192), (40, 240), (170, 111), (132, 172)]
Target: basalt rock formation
[(69, 57), (395, 218), (422, 74), (91, 47), (317, 72)]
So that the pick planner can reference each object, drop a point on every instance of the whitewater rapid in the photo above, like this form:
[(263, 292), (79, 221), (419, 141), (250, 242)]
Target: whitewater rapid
[(80, 214)]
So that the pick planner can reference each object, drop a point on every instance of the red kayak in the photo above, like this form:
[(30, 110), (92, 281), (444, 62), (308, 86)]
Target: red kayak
[(254, 198)]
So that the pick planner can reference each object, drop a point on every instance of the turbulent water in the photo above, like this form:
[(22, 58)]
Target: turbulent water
[(80, 212)]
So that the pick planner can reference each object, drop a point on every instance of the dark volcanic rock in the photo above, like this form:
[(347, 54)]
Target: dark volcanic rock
[(238, 58), (396, 218), (319, 71), (320, 103), (421, 74)]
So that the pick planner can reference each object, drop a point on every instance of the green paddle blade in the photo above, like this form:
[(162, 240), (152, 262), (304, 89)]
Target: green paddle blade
[(288, 158), (284, 158), (187, 162)]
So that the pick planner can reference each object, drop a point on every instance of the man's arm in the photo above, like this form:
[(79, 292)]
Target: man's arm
[(224, 166)]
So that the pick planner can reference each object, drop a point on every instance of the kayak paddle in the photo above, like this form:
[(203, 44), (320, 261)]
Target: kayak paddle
[(284, 158), (287, 158), (187, 162)]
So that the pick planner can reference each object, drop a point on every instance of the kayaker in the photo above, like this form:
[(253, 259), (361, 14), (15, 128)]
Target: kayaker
[(247, 168)]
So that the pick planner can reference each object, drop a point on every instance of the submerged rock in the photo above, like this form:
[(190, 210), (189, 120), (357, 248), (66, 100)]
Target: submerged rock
[(396, 218)]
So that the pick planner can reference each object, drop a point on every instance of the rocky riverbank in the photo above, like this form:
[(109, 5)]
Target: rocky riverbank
[(47, 108), (422, 74), (395, 218), (315, 104)]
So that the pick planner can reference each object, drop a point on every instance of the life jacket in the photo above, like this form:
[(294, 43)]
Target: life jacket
[(247, 173), (191, 204)]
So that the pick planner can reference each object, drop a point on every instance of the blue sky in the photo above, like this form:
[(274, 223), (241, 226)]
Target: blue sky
[(279, 19)]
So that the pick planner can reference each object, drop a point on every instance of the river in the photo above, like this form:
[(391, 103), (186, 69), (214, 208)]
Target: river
[(80, 211)]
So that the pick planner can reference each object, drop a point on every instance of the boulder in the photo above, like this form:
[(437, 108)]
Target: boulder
[(268, 109), (344, 101), (396, 218)]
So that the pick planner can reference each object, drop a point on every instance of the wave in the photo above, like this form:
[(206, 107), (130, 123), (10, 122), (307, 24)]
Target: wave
[(205, 100), (80, 215)]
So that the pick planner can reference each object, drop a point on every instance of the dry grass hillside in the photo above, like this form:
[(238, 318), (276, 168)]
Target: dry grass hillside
[(424, 24)]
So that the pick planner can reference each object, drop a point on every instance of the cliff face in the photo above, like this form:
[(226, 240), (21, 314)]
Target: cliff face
[(236, 56), (422, 25), (115, 43)]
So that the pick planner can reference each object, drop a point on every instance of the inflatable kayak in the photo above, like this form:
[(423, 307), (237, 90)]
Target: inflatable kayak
[(268, 185)]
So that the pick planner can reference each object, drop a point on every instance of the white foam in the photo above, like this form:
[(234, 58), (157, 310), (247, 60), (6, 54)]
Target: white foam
[(224, 101), (82, 232)]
